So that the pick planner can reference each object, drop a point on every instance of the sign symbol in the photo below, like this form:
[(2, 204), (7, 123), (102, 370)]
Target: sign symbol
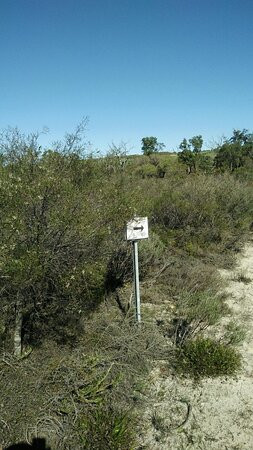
[(139, 228)]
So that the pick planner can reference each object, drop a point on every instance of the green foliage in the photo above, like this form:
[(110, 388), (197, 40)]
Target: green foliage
[(107, 428), (190, 152), (207, 358), (234, 334), (43, 240), (63, 215), (196, 143), (189, 273), (188, 158), (156, 167), (209, 211), (235, 152), (151, 145), (151, 251), (196, 312), (229, 156), (240, 136), (55, 233), (184, 145), (205, 163), (87, 394), (151, 171), (147, 171)]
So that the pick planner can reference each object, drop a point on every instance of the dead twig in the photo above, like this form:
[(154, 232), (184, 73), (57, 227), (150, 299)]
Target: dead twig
[(188, 413)]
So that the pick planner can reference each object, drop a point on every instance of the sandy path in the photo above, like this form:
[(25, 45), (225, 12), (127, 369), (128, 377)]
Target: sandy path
[(220, 411)]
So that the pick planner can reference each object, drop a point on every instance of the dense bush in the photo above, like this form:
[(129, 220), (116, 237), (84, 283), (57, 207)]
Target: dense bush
[(55, 236), (208, 210), (235, 152), (46, 263)]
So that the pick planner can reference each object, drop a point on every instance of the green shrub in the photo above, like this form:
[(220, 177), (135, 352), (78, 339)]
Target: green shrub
[(212, 211), (189, 272), (107, 428), (234, 334), (207, 358), (196, 312), (147, 170), (151, 251), (205, 163)]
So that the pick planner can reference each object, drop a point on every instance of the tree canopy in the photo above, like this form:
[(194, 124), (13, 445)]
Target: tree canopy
[(190, 150), (151, 145), (235, 151)]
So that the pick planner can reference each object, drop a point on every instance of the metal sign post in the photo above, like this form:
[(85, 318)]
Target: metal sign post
[(137, 229), (136, 282)]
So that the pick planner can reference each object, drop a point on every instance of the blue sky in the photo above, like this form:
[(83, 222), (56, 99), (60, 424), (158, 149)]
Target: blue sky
[(164, 68)]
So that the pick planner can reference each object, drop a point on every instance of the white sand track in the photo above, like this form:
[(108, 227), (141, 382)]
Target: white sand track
[(219, 411)]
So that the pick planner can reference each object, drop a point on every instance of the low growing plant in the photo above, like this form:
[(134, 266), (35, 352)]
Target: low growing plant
[(107, 428), (196, 312), (205, 357), (242, 278), (234, 334)]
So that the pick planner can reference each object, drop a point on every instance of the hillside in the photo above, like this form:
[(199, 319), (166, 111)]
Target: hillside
[(75, 368)]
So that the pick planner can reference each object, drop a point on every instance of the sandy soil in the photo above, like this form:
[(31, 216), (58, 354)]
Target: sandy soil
[(214, 414)]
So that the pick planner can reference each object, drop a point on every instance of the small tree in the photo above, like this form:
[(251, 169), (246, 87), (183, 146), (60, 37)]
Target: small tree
[(240, 136), (196, 143), (188, 158), (150, 145), (229, 156), (190, 153), (184, 145)]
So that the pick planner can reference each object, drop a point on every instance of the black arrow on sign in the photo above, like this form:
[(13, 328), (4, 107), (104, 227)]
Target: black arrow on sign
[(139, 228)]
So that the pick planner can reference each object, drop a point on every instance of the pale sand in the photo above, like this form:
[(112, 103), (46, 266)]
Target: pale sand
[(220, 410)]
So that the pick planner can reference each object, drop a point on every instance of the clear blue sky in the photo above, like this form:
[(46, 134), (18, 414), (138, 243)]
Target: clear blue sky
[(167, 68)]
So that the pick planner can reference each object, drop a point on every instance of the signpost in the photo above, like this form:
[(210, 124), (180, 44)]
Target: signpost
[(137, 229)]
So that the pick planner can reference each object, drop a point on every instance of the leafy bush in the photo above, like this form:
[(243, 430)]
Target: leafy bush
[(55, 236), (207, 358)]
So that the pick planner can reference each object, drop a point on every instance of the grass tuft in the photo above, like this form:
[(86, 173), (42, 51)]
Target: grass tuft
[(207, 358)]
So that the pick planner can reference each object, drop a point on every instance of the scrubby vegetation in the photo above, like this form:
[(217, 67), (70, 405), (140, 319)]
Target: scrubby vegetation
[(69, 343), (205, 357)]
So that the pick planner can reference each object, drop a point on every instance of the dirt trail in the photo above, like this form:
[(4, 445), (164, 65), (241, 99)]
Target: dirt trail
[(217, 413)]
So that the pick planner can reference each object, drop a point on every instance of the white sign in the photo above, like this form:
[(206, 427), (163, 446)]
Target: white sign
[(137, 229)]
